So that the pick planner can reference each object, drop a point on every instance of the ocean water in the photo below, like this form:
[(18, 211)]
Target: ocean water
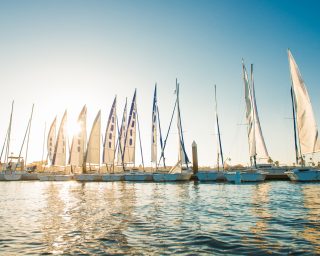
[(159, 218)]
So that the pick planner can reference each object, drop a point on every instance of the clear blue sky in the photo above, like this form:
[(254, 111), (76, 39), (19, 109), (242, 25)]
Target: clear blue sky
[(63, 54)]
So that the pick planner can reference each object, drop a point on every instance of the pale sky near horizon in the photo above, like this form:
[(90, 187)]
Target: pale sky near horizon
[(64, 54)]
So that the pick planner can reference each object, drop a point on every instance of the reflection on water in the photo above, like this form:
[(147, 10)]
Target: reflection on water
[(156, 218)]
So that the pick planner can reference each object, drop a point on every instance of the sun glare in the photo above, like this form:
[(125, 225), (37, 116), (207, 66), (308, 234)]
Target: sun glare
[(73, 129)]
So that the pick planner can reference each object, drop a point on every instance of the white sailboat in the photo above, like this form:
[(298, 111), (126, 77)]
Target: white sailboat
[(257, 146), (109, 146), (128, 154), (305, 127), (177, 173), (59, 154), (79, 141), (215, 175), (92, 157)]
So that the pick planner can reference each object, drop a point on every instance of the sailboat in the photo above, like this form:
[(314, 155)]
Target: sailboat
[(215, 175), (257, 146), (92, 156), (58, 158), (14, 167), (79, 141), (109, 146), (305, 128), (128, 153), (177, 172)]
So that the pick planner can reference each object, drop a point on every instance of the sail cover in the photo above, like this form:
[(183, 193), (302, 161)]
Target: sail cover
[(59, 157), (154, 128), (261, 149), (122, 135), (79, 140), (110, 136), (306, 123), (130, 139), (93, 148), (51, 141)]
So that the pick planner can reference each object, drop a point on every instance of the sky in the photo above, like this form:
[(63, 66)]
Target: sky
[(64, 54)]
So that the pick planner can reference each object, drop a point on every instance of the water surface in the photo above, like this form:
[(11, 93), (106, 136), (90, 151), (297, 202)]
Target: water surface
[(159, 218)]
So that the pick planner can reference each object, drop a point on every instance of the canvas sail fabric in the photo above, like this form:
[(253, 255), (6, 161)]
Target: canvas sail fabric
[(79, 140), (51, 140), (249, 113), (93, 148), (122, 135), (130, 140), (306, 123), (261, 149), (59, 157), (110, 136), (154, 128)]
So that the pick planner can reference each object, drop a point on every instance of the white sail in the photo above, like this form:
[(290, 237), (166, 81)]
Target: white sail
[(306, 123), (79, 140), (93, 148), (261, 149), (59, 157), (130, 139), (249, 113), (110, 136), (122, 135), (154, 128), (51, 141)]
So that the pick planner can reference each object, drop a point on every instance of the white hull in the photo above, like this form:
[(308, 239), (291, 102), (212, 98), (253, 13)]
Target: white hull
[(210, 176), (88, 177), (245, 176), (112, 177), (138, 176), (54, 177), (184, 176), (304, 174), (12, 176)]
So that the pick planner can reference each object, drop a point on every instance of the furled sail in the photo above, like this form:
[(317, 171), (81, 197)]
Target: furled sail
[(306, 123), (130, 139), (122, 135), (79, 140), (110, 136), (59, 157), (93, 148), (249, 113), (51, 141), (154, 127), (261, 149), (184, 160)]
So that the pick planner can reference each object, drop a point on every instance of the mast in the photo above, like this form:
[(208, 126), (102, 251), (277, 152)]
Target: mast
[(9, 134), (294, 126), (25, 159), (44, 140), (253, 117), (218, 128)]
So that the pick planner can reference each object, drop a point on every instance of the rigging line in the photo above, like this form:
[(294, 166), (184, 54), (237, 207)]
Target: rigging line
[(25, 159), (140, 140), (119, 143), (161, 141), (165, 141), (4, 144), (44, 139)]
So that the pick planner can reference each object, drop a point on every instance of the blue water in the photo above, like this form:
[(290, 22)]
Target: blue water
[(153, 218)]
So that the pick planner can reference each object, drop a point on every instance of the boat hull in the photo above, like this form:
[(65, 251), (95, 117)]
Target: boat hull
[(12, 176), (138, 176), (301, 174), (88, 177), (112, 177), (163, 177), (54, 177), (29, 176), (245, 176), (210, 176)]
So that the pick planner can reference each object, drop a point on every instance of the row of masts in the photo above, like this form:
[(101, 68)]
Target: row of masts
[(116, 151)]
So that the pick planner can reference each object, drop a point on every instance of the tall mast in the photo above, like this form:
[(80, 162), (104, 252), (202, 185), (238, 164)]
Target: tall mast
[(218, 128), (253, 117), (294, 126), (9, 133)]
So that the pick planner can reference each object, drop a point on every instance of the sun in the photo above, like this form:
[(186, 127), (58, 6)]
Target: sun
[(73, 129)]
